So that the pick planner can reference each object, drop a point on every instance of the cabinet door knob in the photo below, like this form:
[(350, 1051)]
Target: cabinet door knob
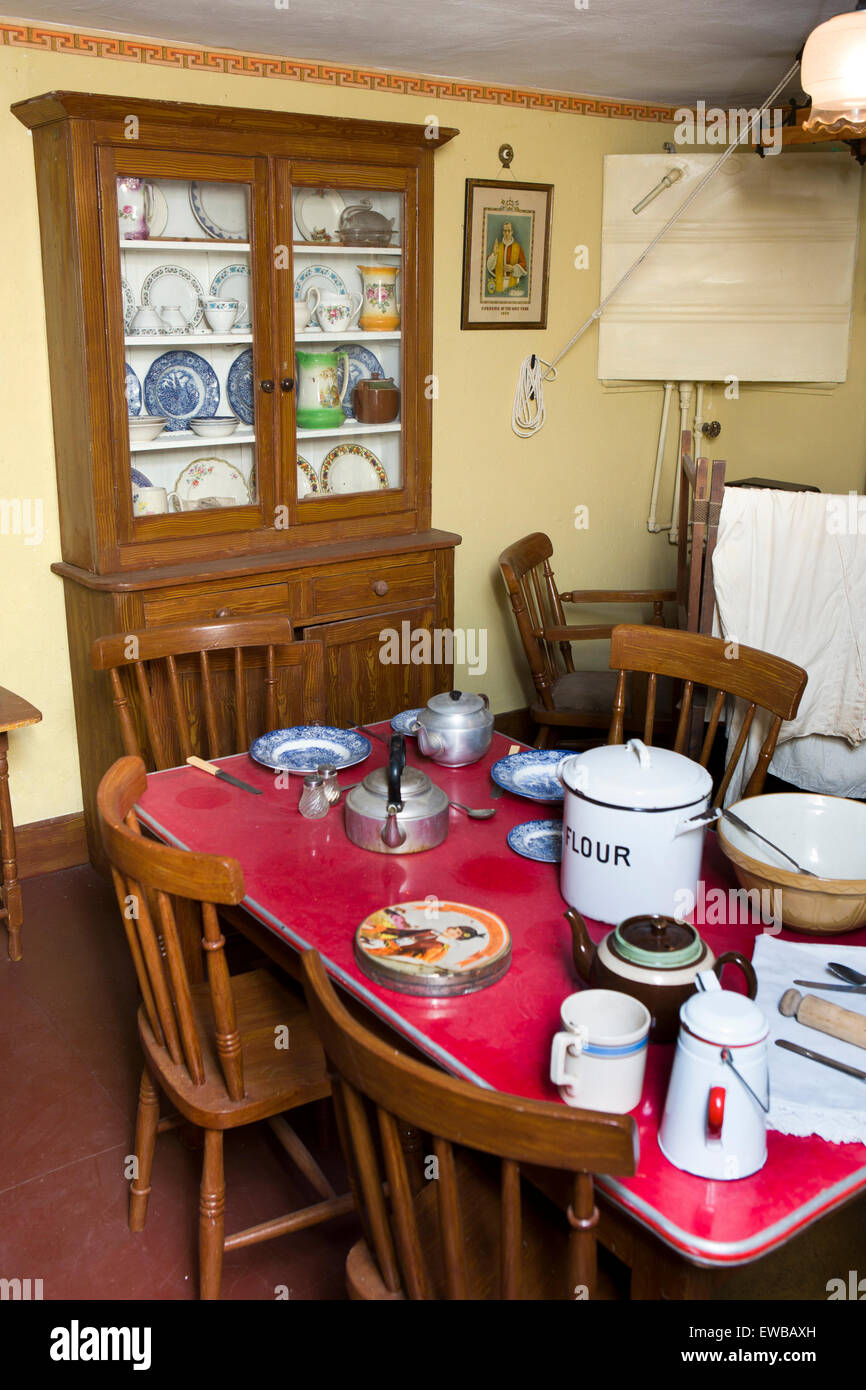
[(267, 386), (287, 383), (223, 613), (380, 587)]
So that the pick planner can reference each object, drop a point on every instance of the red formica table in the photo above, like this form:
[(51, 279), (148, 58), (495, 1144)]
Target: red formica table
[(307, 883)]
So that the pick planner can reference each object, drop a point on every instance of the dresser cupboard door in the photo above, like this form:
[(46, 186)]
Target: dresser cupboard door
[(375, 667)]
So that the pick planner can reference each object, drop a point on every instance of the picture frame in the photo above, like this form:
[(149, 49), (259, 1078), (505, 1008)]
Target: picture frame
[(506, 254)]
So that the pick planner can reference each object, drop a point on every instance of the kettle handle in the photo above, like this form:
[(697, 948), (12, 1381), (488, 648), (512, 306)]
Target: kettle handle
[(396, 763)]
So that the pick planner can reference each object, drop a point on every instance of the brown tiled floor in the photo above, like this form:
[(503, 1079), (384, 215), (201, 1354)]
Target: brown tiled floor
[(69, 1071)]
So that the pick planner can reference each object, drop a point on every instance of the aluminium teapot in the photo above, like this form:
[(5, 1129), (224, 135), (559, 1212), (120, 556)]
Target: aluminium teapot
[(455, 728), (396, 809)]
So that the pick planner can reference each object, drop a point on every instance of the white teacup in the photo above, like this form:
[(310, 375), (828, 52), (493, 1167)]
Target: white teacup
[(149, 501), (305, 308), (223, 314), (147, 320), (598, 1062), (338, 312)]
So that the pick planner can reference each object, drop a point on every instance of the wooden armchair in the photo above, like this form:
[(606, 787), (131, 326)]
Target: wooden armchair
[(764, 681), (462, 1236), (210, 688), (209, 1047), (567, 698)]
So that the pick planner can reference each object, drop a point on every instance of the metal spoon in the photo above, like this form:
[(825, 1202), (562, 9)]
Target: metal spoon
[(474, 812), (750, 830)]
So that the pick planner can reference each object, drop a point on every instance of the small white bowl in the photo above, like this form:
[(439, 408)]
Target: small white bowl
[(215, 426), (144, 427)]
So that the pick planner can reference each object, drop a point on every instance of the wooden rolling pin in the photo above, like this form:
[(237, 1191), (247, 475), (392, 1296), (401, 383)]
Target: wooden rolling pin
[(826, 1017)]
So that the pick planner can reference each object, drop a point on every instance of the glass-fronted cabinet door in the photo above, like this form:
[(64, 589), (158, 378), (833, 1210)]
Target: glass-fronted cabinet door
[(189, 325), (350, 333)]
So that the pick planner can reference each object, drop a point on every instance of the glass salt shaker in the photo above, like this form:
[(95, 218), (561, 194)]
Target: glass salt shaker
[(314, 801), (328, 774)]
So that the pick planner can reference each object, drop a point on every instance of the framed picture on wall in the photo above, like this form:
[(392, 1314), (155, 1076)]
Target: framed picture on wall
[(506, 254)]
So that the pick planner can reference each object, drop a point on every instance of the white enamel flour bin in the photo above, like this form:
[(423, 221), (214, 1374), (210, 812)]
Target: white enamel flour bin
[(633, 832)]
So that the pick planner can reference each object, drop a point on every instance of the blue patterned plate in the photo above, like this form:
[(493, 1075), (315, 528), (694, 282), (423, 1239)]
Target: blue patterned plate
[(531, 774), (322, 277), (180, 385), (538, 839), (133, 392), (400, 723), (362, 364), (139, 479), (308, 746), (239, 387)]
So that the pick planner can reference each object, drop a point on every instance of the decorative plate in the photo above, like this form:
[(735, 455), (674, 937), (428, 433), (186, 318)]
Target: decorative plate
[(133, 393), (531, 774), (401, 722), (318, 210), (362, 364), (212, 477), (179, 385), (239, 386), (352, 468), (433, 947), (158, 220), (234, 282), (174, 284), (307, 746), (138, 479), (220, 209), (323, 278), (308, 480), (538, 839), (128, 305)]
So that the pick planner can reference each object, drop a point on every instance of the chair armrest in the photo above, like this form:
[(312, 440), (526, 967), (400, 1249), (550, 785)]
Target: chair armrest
[(619, 596), (586, 632)]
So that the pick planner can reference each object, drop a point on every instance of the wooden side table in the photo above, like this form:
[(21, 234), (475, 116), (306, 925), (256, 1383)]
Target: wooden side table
[(15, 713)]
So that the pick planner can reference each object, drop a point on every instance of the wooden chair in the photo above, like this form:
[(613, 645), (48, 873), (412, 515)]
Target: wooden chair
[(567, 698), (764, 681), (209, 688), (211, 1048), (15, 713), (433, 1244)]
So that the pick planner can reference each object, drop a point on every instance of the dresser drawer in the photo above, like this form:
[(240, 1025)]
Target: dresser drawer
[(362, 588), (185, 607)]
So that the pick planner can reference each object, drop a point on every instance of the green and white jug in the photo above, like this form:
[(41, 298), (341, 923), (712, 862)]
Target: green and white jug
[(320, 400)]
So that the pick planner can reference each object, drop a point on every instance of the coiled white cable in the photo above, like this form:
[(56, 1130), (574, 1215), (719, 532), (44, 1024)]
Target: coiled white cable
[(527, 415)]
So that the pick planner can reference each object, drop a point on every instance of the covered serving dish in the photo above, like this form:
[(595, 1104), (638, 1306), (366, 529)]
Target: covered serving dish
[(360, 225)]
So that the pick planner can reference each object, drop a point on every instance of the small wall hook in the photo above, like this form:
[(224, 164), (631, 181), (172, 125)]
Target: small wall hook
[(506, 154)]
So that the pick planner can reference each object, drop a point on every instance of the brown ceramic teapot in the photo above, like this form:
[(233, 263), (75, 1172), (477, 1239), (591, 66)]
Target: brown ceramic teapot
[(655, 959)]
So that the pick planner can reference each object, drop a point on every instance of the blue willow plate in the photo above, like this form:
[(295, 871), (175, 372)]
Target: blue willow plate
[(401, 722), (307, 746), (139, 480), (531, 774), (538, 839), (362, 364), (133, 393), (239, 387), (181, 385)]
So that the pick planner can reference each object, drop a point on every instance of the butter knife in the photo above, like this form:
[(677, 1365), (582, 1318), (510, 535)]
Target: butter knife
[(819, 1057)]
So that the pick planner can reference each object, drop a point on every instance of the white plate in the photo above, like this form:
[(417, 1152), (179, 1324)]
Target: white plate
[(212, 477), (221, 210), (128, 306), (322, 277), (352, 468), (158, 220), (234, 282), (174, 284), (318, 209)]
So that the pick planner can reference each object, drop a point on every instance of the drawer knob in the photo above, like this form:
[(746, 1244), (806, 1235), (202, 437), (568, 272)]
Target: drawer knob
[(223, 613), (380, 587), (267, 386)]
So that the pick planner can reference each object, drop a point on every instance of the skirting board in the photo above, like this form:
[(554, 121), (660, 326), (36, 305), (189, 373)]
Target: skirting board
[(46, 845)]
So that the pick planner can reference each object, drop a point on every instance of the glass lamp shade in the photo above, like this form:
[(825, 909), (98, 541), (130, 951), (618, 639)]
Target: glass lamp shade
[(833, 72)]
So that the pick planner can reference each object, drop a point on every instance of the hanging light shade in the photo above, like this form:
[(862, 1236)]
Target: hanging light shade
[(833, 73)]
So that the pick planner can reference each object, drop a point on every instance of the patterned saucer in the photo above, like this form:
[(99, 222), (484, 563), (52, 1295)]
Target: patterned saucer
[(531, 774), (538, 839), (307, 746), (402, 721)]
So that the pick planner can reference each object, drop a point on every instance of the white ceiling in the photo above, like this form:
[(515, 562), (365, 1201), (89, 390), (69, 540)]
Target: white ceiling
[(648, 50)]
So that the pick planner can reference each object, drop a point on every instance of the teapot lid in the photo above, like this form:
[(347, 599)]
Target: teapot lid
[(636, 777), (457, 702), (722, 1017), (658, 943)]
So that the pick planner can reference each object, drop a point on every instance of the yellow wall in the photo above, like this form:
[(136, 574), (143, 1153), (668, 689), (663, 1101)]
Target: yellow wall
[(596, 449)]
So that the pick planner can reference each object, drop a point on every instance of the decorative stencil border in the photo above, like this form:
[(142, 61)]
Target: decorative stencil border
[(186, 57)]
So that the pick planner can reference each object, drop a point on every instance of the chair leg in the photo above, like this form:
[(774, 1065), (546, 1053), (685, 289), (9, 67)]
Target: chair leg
[(543, 736), (146, 1123), (211, 1229)]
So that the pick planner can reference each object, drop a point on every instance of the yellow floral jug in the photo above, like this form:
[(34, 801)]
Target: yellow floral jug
[(380, 313)]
